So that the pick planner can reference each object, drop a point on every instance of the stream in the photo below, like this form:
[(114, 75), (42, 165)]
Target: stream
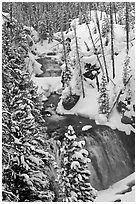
[(112, 152)]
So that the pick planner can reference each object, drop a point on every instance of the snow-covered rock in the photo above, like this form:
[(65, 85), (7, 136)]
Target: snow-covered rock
[(86, 127), (115, 192), (101, 119)]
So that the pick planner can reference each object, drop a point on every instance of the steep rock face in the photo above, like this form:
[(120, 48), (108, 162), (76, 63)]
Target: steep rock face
[(112, 155)]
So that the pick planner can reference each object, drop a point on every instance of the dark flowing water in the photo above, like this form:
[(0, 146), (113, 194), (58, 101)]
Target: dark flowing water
[(111, 152)]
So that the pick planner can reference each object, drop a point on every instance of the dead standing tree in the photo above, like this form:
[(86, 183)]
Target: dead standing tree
[(97, 21), (112, 36), (78, 60), (65, 56)]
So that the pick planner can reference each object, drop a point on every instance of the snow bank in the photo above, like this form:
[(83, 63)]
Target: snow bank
[(32, 65), (115, 123), (115, 191), (120, 33), (84, 36), (86, 107)]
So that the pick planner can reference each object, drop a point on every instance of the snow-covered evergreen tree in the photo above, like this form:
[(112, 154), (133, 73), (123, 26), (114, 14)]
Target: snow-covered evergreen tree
[(127, 96), (105, 27), (104, 97), (75, 174), (66, 75), (66, 72), (42, 29), (25, 173), (126, 69), (121, 14), (76, 83)]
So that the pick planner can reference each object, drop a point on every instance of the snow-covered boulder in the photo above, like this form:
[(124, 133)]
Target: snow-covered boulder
[(101, 119), (86, 127)]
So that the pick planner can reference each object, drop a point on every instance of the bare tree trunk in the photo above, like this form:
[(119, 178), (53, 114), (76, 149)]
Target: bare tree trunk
[(97, 82), (80, 15), (78, 58), (101, 11), (115, 12), (90, 10), (65, 57), (112, 35), (101, 45)]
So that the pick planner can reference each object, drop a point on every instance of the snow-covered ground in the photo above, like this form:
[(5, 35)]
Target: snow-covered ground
[(88, 106), (123, 190)]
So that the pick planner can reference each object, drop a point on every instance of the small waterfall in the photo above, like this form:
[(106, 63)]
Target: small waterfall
[(111, 153)]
